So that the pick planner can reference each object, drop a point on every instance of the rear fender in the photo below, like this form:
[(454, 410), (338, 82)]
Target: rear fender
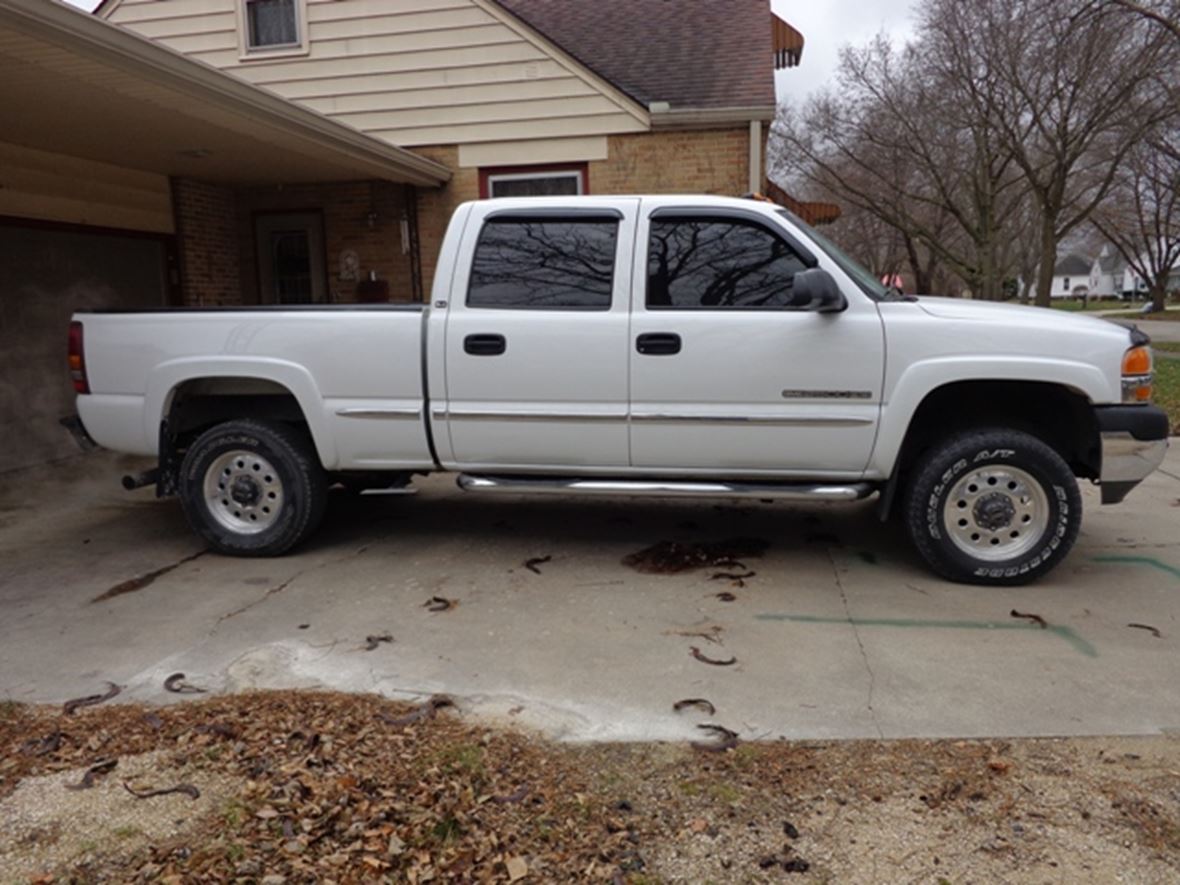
[(167, 377)]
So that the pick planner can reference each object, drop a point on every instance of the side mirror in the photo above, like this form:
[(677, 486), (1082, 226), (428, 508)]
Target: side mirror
[(815, 289)]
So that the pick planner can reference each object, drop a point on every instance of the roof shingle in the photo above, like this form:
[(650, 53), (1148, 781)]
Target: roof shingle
[(1073, 265), (688, 53)]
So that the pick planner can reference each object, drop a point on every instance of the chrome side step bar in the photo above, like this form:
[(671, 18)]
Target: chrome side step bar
[(645, 488)]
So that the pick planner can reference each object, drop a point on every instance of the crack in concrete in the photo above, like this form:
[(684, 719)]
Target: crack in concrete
[(864, 656), (279, 588)]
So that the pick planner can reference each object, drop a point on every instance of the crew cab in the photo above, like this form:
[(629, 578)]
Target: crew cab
[(665, 345)]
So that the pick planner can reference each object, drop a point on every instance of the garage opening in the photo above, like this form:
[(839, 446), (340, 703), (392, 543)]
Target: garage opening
[(48, 271)]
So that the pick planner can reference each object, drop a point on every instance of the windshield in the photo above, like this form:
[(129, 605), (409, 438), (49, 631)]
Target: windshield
[(861, 276)]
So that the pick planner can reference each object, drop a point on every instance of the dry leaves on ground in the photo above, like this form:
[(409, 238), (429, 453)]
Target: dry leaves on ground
[(322, 787)]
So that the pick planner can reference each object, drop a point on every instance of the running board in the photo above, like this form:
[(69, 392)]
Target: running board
[(515, 485)]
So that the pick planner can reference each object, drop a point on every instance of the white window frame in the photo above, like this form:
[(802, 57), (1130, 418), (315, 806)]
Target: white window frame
[(246, 52), (575, 174)]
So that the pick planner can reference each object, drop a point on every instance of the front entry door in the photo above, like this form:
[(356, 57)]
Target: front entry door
[(290, 254), (536, 338), (726, 378)]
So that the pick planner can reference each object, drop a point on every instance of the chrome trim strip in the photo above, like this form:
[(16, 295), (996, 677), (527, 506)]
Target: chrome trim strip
[(497, 415), (750, 421), (654, 418), (381, 414), (511, 485)]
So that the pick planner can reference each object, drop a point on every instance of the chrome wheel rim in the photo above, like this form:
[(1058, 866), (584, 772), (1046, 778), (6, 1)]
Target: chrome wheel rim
[(996, 512), (243, 492)]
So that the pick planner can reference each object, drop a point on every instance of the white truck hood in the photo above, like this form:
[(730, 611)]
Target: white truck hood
[(1056, 321)]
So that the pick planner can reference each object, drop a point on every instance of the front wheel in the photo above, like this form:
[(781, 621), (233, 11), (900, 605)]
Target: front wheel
[(253, 488), (995, 507)]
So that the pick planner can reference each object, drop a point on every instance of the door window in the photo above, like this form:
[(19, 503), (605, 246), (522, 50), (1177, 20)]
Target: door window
[(290, 254), (291, 261), (544, 264), (703, 263)]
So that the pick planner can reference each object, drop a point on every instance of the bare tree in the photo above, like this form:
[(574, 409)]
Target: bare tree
[(1077, 87), (1142, 216), (908, 144), (1165, 13)]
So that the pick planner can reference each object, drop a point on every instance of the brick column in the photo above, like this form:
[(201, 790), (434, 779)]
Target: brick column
[(207, 243)]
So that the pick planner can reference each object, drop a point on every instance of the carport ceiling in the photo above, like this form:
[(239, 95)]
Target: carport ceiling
[(76, 85)]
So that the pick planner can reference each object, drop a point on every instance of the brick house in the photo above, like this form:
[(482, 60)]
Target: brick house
[(511, 97)]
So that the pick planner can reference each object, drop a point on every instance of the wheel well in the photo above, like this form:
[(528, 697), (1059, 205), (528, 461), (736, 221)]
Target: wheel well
[(1058, 416), (200, 403)]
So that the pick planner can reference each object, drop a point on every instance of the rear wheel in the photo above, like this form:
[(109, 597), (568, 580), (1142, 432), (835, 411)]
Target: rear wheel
[(993, 507), (253, 488)]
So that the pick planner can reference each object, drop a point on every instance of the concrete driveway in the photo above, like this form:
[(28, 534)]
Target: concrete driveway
[(841, 632)]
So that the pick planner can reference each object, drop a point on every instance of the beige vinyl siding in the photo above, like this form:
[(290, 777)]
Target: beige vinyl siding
[(413, 72), (54, 187)]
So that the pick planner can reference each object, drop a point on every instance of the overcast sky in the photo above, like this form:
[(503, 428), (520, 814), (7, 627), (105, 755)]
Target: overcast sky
[(826, 26)]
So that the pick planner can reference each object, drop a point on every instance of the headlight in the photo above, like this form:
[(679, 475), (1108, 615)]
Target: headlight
[(1137, 375)]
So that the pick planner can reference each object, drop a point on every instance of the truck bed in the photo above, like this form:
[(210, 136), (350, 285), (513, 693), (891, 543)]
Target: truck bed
[(358, 379)]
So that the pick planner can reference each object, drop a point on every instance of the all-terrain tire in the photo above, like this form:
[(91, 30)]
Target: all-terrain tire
[(253, 488), (993, 506)]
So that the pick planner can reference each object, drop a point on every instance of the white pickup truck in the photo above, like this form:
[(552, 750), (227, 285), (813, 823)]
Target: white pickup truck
[(691, 346)]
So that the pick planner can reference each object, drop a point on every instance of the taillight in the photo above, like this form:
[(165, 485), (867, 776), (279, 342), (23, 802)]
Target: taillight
[(77, 359)]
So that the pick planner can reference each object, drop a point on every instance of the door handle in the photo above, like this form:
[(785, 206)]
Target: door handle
[(485, 345), (658, 343)]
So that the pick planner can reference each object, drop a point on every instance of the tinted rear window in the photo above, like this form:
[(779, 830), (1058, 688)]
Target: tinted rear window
[(544, 264)]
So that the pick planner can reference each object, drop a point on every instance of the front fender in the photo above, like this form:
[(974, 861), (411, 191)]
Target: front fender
[(167, 377), (922, 378)]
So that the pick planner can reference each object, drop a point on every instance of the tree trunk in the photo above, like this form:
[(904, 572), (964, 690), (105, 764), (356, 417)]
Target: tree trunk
[(922, 281), (1025, 288), (1048, 261), (1159, 293)]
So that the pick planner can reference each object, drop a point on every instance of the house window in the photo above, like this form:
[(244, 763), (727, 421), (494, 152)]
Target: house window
[(701, 263), (1065, 287), (534, 181), (270, 25)]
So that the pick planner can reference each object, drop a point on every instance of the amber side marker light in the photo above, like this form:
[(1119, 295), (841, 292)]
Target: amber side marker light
[(1137, 375)]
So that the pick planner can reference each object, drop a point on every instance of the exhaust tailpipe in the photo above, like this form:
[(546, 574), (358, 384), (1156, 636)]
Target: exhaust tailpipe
[(131, 482)]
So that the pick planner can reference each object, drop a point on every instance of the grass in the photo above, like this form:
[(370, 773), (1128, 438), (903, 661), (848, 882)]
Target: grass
[(1167, 390), (1072, 304), (1166, 346), (1167, 316)]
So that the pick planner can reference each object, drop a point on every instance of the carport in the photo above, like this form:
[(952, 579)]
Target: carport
[(132, 176)]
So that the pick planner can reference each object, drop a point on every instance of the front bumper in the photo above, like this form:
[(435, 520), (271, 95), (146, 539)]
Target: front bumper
[(1134, 442)]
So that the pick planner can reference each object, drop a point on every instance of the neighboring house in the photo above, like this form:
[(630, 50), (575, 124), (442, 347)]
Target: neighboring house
[(1071, 277), (513, 97), (1106, 273), (1133, 285), (1113, 277)]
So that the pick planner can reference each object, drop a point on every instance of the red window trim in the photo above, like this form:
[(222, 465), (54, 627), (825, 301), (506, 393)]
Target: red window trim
[(583, 169)]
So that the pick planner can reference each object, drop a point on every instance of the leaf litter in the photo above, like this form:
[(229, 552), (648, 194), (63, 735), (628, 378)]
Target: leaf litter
[(316, 787)]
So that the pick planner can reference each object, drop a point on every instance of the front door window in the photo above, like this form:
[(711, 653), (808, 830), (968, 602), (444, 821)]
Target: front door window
[(290, 255)]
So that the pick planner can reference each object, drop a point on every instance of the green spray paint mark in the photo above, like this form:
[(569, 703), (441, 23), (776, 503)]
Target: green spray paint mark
[(1079, 644), (1142, 560)]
